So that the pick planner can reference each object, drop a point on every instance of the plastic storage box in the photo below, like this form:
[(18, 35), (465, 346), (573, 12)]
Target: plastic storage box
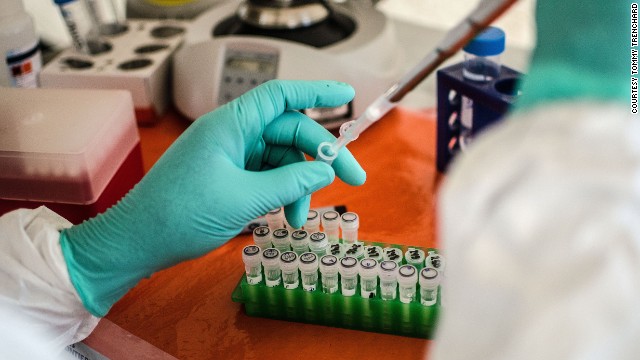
[(75, 151)]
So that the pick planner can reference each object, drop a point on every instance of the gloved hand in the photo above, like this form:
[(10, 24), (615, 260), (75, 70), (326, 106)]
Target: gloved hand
[(229, 167)]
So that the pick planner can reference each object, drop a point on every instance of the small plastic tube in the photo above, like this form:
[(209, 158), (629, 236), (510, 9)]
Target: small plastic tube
[(349, 223), (337, 250), (388, 273), (368, 271), (373, 252), (329, 274), (355, 250), (435, 261), (331, 225), (289, 268), (280, 240), (407, 279), (415, 257), (309, 271), (429, 282), (271, 264), (252, 264), (318, 244), (348, 269), (85, 34), (313, 222), (300, 241), (262, 237), (392, 254), (275, 219)]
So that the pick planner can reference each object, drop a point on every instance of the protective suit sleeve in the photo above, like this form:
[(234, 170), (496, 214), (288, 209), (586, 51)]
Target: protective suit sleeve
[(34, 276)]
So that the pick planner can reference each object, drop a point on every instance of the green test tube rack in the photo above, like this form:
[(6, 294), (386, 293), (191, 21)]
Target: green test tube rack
[(335, 310)]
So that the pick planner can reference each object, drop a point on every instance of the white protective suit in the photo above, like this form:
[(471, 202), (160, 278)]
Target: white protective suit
[(540, 222)]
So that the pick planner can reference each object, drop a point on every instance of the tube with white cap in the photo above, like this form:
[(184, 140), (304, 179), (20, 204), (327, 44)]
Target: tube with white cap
[(349, 223), (271, 263), (275, 219), (331, 225), (407, 279), (262, 237), (429, 282), (300, 241), (280, 240), (252, 264), (309, 271), (348, 269), (368, 278), (329, 274), (313, 222), (318, 244), (289, 268), (388, 279)]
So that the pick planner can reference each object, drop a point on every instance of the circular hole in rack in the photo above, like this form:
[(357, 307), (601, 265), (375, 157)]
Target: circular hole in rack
[(150, 48), (97, 47), (135, 64), (508, 86), (76, 63), (166, 31)]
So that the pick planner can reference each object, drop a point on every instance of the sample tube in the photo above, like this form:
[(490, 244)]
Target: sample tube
[(349, 223), (429, 281), (313, 222), (435, 261), (337, 250), (348, 269), (289, 268), (275, 219), (271, 263), (415, 257), (331, 225), (355, 250), (373, 252), (300, 241), (392, 254), (388, 279), (106, 16), (407, 278), (368, 278), (309, 271), (280, 240), (252, 264), (262, 237), (318, 244), (329, 274), (84, 32)]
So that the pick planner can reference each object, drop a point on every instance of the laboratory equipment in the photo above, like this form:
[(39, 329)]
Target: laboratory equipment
[(168, 9), (337, 250), (355, 250), (407, 278), (415, 257), (309, 271), (313, 222), (351, 42), (331, 225), (329, 274), (138, 60), (252, 264), (280, 240), (271, 264), (18, 47), (262, 237), (429, 282), (108, 20), (349, 224), (319, 244), (289, 267), (262, 220), (275, 219), (480, 18), (300, 241), (368, 272), (85, 35), (77, 152), (348, 269), (436, 261), (388, 280), (373, 252), (392, 254)]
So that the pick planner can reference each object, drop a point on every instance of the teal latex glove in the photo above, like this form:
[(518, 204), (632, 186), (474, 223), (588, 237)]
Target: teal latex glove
[(582, 52), (230, 166)]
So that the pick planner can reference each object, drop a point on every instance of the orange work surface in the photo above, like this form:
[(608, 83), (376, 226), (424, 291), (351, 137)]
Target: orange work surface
[(187, 312)]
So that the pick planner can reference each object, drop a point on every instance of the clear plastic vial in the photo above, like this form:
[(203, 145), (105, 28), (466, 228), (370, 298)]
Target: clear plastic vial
[(280, 240), (392, 254), (355, 250), (289, 268), (84, 32), (368, 278), (429, 282), (407, 279), (309, 271), (415, 257), (435, 261), (313, 222), (481, 64), (262, 237), (300, 242), (271, 264), (107, 17), (349, 224), (373, 252), (275, 219), (329, 274), (319, 244), (388, 273), (331, 225), (18, 47), (348, 269), (252, 264), (337, 250)]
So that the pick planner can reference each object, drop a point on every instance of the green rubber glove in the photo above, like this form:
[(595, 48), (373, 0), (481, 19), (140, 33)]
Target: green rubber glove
[(577, 57), (230, 166)]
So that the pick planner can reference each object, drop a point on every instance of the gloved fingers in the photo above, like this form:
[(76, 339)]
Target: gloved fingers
[(301, 132), (276, 155), (296, 212)]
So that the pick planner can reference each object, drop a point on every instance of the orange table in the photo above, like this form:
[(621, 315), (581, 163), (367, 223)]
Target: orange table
[(187, 311)]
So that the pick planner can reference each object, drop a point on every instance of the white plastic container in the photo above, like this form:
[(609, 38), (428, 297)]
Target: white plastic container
[(19, 49)]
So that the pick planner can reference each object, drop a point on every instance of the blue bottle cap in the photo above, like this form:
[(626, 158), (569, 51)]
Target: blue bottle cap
[(62, 2), (489, 42)]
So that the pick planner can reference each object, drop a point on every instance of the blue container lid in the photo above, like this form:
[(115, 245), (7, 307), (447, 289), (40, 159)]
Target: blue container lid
[(62, 2), (489, 42)]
